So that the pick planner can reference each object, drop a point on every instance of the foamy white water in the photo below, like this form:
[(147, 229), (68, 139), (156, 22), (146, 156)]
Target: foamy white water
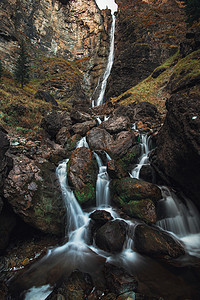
[(145, 144)]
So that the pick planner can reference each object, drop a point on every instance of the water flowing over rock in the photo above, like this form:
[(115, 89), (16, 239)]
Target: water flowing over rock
[(111, 236), (82, 175), (176, 157), (33, 192), (154, 242)]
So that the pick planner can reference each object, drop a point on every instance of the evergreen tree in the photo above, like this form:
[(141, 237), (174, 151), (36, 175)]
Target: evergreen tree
[(192, 9), (21, 70), (1, 69)]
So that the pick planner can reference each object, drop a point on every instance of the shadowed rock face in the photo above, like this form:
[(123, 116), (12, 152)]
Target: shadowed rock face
[(144, 31), (154, 242), (67, 29), (177, 156)]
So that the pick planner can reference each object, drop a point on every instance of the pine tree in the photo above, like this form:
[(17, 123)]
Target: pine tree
[(1, 69), (21, 70), (192, 9)]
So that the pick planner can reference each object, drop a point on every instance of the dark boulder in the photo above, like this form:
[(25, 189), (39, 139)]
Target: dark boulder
[(42, 95), (137, 198), (99, 139), (82, 175), (177, 156), (154, 242), (80, 116), (118, 280), (83, 128), (54, 121), (115, 170), (100, 217), (116, 124), (124, 142), (111, 236), (76, 287)]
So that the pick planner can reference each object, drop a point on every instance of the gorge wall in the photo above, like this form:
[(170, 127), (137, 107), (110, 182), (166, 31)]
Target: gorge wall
[(147, 33), (73, 30)]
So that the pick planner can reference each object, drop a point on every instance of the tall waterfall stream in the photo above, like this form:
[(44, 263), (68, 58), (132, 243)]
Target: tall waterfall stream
[(78, 252)]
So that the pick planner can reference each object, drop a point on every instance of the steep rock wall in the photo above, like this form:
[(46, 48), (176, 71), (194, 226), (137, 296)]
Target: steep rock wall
[(75, 30), (147, 32)]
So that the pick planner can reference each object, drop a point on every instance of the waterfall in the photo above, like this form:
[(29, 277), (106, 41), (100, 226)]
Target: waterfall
[(102, 184), (113, 6), (180, 219), (76, 219), (82, 143), (145, 144)]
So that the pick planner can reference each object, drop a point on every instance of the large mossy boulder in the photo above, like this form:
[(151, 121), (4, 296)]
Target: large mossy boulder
[(33, 191), (154, 242), (82, 174), (137, 198)]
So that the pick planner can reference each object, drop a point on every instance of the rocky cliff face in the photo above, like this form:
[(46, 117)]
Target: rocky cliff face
[(68, 29), (147, 32)]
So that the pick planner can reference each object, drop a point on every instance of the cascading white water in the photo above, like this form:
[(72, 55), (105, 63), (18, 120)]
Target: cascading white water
[(113, 6), (145, 144), (181, 219), (82, 143), (102, 184), (76, 218)]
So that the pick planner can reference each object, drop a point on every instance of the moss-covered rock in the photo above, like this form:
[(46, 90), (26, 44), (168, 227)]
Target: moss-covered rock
[(137, 198), (82, 174), (32, 189)]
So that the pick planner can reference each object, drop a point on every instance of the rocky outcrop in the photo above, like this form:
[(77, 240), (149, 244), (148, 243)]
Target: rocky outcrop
[(5, 161), (154, 242), (137, 198), (147, 33), (73, 30), (82, 175), (32, 190), (54, 121), (177, 156)]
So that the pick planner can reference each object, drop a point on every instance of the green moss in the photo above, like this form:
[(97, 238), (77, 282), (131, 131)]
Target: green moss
[(86, 195)]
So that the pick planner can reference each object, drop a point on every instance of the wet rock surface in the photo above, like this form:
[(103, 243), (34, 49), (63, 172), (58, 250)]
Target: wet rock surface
[(137, 198), (155, 242), (111, 236), (77, 286), (118, 280), (82, 175)]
